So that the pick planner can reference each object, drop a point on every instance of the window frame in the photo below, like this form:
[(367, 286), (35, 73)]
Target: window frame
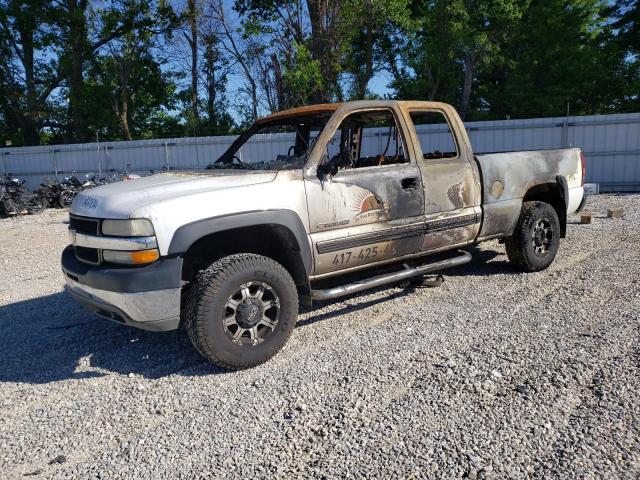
[(451, 132), (400, 127)]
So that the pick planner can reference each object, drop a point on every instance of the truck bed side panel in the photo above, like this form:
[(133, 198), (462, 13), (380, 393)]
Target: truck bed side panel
[(506, 178)]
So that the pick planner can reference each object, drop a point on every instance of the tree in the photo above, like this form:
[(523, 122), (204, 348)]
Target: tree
[(299, 34), (452, 41), (624, 39), (26, 82), (49, 45), (63, 61), (128, 75), (240, 49), (192, 16), (215, 68), (130, 80), (561, 55), (364, 27)]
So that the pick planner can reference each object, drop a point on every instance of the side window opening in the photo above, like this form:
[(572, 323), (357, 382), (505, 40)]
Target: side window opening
[(367, 139), (434, 133)]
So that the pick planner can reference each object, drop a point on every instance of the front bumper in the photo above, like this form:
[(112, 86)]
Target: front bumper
[(145, 297)]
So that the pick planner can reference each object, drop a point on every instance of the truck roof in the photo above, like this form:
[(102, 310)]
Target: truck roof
[(332, 107), (317, 108)]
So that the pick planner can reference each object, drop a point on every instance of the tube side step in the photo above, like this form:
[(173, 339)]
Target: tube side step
[(377, 281)]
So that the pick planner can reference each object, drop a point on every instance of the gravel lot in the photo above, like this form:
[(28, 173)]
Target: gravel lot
[(495, 374)]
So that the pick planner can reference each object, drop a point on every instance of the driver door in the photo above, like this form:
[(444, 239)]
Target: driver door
[(371, 208)]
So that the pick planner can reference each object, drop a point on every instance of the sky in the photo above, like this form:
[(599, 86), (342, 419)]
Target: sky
[(377, 85)]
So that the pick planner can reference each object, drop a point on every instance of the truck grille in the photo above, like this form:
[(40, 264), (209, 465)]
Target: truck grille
[(85, 225), (87, 255), (88, 226)]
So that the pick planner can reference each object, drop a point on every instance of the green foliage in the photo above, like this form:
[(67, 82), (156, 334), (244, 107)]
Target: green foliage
[(363, 28), (302, 75), (529, 58), (69, 70)]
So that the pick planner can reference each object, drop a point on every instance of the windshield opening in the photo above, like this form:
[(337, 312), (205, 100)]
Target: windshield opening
[(280, 144)]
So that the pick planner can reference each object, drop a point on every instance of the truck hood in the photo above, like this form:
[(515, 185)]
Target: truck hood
[(118, 200)]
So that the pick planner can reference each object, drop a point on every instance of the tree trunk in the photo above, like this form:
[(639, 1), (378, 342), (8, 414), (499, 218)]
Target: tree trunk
[(30, 127), (316, 13), (211, 94), (279, 84), (365, 76), (193, 43), (210, 56), (469, 71), (124, 116), (254, 98), (322, 22), (125, 75), (77, 43)]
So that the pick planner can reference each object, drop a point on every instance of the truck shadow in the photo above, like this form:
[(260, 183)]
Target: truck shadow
[(485, 262), (51, 338)]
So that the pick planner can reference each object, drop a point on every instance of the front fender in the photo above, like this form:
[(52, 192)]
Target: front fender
[(188, 234)]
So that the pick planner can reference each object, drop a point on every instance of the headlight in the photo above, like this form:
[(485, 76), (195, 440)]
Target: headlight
[(139, 227), (138, 257)]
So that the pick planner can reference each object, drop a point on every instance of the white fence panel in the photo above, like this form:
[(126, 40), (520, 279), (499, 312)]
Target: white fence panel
[(611, 144)]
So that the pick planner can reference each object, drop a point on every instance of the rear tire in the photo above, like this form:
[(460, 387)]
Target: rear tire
[(241, 310), (536, 238)]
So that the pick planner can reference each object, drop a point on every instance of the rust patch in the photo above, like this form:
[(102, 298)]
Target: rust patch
[(496, 189), (306, 110), (456, 195)]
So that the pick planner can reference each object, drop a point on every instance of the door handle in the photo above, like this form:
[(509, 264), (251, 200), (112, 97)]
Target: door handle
[(409, 183)]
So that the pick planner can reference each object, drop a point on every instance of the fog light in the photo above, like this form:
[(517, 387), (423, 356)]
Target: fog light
[(139, 257)]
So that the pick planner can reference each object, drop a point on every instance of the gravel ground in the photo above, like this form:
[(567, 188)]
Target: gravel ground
[(495, 374)]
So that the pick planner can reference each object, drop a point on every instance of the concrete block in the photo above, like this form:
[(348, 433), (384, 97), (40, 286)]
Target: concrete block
[(615, 212), (591, 188)]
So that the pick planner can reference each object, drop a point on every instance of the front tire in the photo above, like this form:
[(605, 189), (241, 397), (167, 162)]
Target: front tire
[(241, 311), (536, 238)]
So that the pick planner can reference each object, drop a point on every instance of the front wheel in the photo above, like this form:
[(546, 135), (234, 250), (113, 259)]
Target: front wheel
[(536, 239), (241, 310)]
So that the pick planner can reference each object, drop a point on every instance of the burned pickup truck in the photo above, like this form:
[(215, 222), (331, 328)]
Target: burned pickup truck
[(310, 204)]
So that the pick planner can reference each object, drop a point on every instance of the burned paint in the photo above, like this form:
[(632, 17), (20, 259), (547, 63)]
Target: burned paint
[(306, 110), (500, 218), (520, 171), (497, 187), (455, 194), (361, 256), (371, 200)]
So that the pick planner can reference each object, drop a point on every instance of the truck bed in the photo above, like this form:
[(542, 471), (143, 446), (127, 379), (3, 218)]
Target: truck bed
[(507, 176)]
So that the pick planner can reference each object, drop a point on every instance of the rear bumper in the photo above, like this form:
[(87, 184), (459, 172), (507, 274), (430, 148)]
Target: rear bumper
[(147, 298), (577, 199)]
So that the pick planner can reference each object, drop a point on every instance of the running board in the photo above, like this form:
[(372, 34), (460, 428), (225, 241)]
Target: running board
[(408, 272)]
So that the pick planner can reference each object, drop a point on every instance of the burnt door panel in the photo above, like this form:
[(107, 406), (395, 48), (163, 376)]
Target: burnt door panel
[(451, 189), (367, 215)]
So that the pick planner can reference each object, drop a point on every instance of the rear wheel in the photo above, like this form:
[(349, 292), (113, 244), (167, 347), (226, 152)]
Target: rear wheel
[(241, 310), (536, 239)]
